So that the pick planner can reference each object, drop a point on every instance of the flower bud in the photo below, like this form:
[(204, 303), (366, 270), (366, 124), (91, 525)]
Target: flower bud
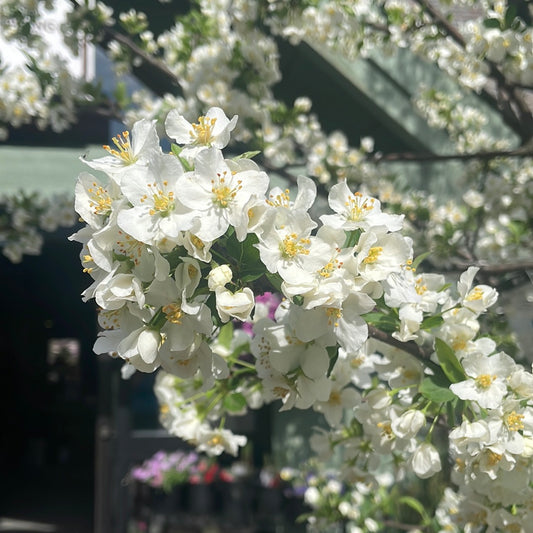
[(219, 276), (408, 424), (426, 461), (237, 305)]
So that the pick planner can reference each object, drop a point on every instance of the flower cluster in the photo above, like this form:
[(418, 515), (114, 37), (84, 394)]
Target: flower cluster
[(24, 216), (165, 470), (181, 245)]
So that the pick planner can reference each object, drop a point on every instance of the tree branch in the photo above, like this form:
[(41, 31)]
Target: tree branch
[(410, 346), (152, 62), (503, 268), (515, 110), (483, 156)]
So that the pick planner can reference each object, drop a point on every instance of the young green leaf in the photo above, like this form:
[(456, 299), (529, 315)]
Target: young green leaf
[(448, 361)]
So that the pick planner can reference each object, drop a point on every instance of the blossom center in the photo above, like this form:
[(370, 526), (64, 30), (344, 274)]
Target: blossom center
[(335, 398), (333, 314), (280, 392), (386, 429), (173, 313), (215, 441), (223, 194), (124, 152), (485, 380), (280, 200), (373, 255), (356, 362), (163, 202), (291, 246), (493, 458), (420, 288), (329, 268), (358, 207), (100, 200), (129, 247), (475, 294), (203, 130), (514, 421)]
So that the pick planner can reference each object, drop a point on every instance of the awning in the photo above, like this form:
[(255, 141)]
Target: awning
[(46, 170)]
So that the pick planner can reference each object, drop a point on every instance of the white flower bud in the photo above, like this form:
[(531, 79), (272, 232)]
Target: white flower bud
[(408, 424), (219, 276), (235, 305), (426, 461), (312, 496)]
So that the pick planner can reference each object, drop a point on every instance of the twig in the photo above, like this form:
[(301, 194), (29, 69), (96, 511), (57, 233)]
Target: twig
[(111, 34), (523, 123), (409, 346), (484, 156)]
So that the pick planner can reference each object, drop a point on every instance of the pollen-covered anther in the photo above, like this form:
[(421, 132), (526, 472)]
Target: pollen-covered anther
[(291, 246), (329, 268), (280, 200), (515, 421), (124, 152), (223, 194), (333, 314), (203, 130), (493, 458), (386, 429), (359, 207), (373, 255), (173, 313), (163, 202), (100, 201), (280, 392), (475, 294), (335, 398), (485, 380)]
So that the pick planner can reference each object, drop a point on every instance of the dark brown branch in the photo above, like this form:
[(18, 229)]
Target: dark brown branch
[(482, 156), (148, 60), (503, 268), (515, 110), (409, 346)]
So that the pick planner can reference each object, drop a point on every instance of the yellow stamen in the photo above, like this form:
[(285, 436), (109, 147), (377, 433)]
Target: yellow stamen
[(475, 294), (514, 421), (373, 255), (203, 130), (223, 194), (124, 152), (100, 201), (485, 380), (333, 314), (359, 207), (493, 458), (280, 200), (173, 313), (292, 246)]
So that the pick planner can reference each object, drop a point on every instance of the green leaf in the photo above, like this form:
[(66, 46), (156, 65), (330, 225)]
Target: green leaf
[(275, 280), (246, 155), (431, 322), (386, 323), (510, 15), (448, 361), (491, 23), (416, 505), (419, 258), (176, 150), (225, 335), (436, 389), (234, 402)]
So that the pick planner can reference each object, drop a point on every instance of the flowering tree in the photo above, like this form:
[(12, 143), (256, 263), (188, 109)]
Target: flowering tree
[(181, 245)]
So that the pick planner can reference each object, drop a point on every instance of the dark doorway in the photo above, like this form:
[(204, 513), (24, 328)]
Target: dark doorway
[(48, 384)]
